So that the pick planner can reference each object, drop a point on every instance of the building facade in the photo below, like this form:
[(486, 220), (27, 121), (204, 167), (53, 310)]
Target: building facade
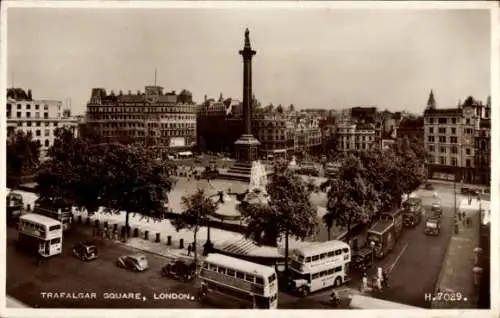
[(39, 118), (163, 120), (355, 137), (451, 138)]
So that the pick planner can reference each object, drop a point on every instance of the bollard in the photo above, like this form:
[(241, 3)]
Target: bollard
[(181, 244), (136, 232), (157, 238), (169, 240), (146, 235), (105, 224)]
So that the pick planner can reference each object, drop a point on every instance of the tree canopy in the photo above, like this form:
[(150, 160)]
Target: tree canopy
[(23, 155), (113, 176)]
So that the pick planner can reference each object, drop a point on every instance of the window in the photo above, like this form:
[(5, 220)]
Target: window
[(37, 107), (230, 272), (442, 149), (454, 149), (431, 148), (331, 254), (28, 123), (453, 140), (28, 106), (38, 133), (205, 265), (453, 121), (55, 227), (47, 123), (315, 258), (453, 161), (55, 241), (330, 271), (37, 115), (442, 120), (249, 278), (315, 276), (442, 130), (338, 269), (47, 132), (467, 163), (431, 130), (442, 139), (221, 270), (430, 139), (308, 259), (45, 107), (467, 151), (259, 280), (240, 275), (442, 160), (46, 115), (322, 256), (9, 106), (18, 106), (18, 114), (47, 143), (38, 124), (338, 252), (430, 120), (28, 115), (467, 121), (454, 130)]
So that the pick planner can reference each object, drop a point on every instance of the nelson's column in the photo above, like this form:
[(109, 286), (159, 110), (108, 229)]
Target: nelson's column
[(247, 146)]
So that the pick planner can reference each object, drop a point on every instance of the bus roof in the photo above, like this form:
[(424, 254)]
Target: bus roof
[(322, 247), (239, 264), (33, 217)]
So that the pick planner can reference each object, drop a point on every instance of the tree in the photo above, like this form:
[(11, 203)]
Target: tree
[(23, 155), (279, 109), (352, 198), (113, 176), (411, 166), (288, 211), (197, 208), (291, 108)]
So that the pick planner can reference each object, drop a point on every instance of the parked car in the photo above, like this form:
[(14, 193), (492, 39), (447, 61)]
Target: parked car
[(85, 250), (136, 262), (429, 186), (362, 259), (180, 269), (464, 190)]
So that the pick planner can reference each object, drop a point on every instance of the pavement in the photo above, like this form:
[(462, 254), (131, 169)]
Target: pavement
[(456, 281)]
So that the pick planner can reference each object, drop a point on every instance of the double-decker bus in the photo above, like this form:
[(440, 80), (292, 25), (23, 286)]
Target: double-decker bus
[(238, 282), (319, 266), (57, 212), (40, 234), (15, 205)]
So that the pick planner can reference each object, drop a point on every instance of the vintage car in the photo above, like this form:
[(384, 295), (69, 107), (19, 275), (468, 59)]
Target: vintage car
[(433, 226), (85, 251), (362, 259), (180, 269), (136, 262)]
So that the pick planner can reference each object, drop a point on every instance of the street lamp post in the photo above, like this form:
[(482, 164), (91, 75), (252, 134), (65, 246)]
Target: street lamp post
[(372, 245)]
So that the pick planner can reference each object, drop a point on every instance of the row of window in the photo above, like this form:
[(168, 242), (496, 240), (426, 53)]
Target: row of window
[(444, 120), (326, 255), (453, 149), (28, 115), (158, 125), (240, 275), (36, 123), (453, 161), (357, 138), (141, 133), (327, 272), (57, 240), (28, 106), (356, 145), (127, 109)]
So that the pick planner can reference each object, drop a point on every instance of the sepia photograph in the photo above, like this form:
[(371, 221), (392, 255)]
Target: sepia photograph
[(224, 155)]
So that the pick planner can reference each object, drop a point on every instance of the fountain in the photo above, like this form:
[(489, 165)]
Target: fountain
[(228, 202)]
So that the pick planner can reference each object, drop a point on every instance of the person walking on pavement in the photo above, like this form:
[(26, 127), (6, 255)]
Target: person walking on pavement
[(364, 287), (189, 250), (385, 278)]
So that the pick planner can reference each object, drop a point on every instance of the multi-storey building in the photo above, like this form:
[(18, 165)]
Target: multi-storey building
[(166, 121), (355, 137), (275, 132), (449, 138), (39, 118), (482, 160), (412, 128)]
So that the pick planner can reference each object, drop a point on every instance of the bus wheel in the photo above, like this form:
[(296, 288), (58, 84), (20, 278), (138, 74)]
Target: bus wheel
[(304, 291), (338, 282)]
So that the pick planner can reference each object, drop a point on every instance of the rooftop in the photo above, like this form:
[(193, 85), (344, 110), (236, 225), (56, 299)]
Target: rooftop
[(443, 111)]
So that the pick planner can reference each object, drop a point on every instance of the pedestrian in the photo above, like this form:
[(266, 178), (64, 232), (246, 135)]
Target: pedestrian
[(385, 278), (379, 284), (189, 250), (364, 287), (435, 195)]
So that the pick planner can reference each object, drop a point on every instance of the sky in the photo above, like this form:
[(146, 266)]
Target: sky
[(312, 58)]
